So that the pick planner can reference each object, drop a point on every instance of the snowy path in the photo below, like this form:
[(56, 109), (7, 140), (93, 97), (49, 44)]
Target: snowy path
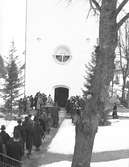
[(111, 147)]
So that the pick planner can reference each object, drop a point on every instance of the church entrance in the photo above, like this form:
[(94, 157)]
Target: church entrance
[(61, 96)]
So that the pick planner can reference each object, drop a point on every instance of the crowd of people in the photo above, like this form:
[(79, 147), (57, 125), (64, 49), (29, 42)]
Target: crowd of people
[(29, 132), (36, 102)]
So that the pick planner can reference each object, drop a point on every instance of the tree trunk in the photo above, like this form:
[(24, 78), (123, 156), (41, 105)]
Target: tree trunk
[(104, 74), (85, 134), (123, 89), (108, 39), (128, 98)]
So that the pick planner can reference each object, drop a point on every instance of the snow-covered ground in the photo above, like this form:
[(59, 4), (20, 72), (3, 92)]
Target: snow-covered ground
[(9, 125), (108, 138), (111, 146)]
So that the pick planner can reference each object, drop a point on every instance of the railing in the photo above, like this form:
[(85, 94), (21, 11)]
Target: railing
[(7, 161)]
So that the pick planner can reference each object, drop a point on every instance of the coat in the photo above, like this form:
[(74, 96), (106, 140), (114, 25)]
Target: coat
[(14, 150), (21, 130), (37, 136), (28, 126), (5, 137)]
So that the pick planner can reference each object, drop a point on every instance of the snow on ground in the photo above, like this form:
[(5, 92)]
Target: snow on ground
[(63, 142), (122, 114), (65, 137), (116, 137), (9, 125), (109, 139)]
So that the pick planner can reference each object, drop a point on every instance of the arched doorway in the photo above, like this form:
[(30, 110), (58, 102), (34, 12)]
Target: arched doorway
[(61, 95)]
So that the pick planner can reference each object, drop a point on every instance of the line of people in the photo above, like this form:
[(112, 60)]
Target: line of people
[(26, 134)]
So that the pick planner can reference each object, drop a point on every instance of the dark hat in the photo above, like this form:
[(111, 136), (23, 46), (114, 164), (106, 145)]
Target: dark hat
[(19, 121), (3, 127), (26, 118)]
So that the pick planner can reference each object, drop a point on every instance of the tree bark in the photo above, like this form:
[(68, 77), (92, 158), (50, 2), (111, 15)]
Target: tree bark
[(123, 89), (86, 129), (108, 39), (85, 134)]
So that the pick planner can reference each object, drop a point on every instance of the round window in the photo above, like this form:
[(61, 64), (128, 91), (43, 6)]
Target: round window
[(62, 54)]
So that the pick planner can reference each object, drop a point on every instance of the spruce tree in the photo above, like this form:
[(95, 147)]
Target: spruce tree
[(89, 84), (90, 72), (13, 80), (2, 68)]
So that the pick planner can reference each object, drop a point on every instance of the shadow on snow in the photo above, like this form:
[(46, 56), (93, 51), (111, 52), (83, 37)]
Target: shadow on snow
[(96, 157)]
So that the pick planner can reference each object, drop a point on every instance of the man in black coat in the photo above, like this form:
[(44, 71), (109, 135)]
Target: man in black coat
[(15, 150), (21, 131), (28, 125), (38, 133)]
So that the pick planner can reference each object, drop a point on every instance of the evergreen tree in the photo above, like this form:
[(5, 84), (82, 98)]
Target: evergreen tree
[(2, 68), (89, 86), (90, 72), (13, 80)]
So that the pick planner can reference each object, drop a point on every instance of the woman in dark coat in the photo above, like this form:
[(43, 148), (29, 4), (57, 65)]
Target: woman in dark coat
[(37, 134)]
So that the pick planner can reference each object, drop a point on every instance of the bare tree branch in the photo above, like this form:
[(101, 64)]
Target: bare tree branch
[(96, 5), (122, 4), (120, 23)]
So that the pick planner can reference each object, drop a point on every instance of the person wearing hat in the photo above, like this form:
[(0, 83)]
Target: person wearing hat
[(20, 129), (28, 126), (4, 135)]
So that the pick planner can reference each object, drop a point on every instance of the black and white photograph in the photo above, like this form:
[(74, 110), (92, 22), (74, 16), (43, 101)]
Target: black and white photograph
[(64, 83)]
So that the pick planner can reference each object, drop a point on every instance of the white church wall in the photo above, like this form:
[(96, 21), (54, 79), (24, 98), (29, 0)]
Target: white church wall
[(49, 25), (48, 73)]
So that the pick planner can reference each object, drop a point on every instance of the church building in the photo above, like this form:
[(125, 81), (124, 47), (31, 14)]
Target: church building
[(58, 48)]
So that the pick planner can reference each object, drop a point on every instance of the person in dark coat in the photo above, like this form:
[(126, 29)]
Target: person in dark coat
[(21, 131), (43, 120), (2, 150), (38, 133), (20, 128), (4, 135), (20, 104), (1, 145), (68, 106), (15, 149), (24, 104), (114, 113), (31, 101), (55, 116), (28, 125)]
